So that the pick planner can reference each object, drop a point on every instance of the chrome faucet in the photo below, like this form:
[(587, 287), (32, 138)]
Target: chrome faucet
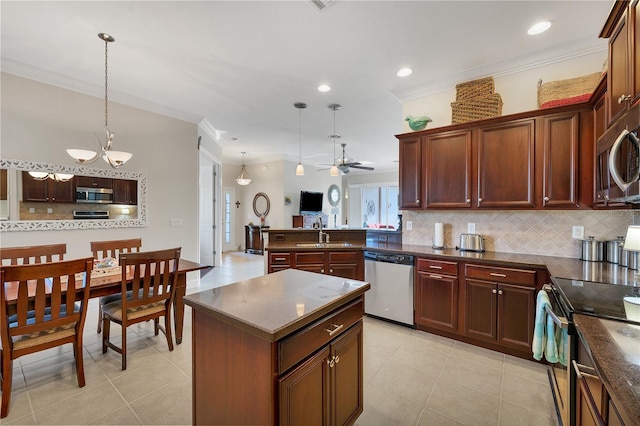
[(320, 233)]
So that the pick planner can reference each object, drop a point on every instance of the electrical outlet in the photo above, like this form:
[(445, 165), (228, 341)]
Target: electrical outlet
[(176, 221), (471, 228), (409, 225), (577, 232), (32, 210), (49, 210)]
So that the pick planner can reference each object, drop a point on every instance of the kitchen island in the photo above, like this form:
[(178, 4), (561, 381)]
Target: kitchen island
[(283, 348)]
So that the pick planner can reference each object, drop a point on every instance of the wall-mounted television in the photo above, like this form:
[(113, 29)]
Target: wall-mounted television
[(310, 202)]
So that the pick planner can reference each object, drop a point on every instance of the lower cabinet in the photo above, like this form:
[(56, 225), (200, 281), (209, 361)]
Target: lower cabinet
[(500, 305), (327, 388), (344, 263), (436, 294)]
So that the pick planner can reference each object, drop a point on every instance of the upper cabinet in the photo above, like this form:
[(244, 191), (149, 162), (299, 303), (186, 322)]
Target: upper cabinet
[(47, 190), (125, 191), (94, 182), (540, 160), (622, 28)]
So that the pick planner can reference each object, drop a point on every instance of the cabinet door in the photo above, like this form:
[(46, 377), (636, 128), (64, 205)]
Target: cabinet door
[(436, 301), (4, 188), (310, 261), (480, 309), (506, 165), (125, 191), (617, 74), (304, 393), (560, 137), (34, 190), (634, 16), (95, 182), (347, 382), (516, 315), (410, 173), (344, 270), (61, 192), (448, 170)]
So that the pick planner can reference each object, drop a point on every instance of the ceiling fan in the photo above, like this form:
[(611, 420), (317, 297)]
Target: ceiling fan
[(344, 162)]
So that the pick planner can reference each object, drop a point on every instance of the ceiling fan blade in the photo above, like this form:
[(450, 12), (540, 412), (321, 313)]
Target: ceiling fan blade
[(322, 170), (362, 167), (353, 163)]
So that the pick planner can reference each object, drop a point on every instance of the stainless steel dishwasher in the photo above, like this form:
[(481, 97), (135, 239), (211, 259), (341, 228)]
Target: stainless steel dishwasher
[(391, 294)]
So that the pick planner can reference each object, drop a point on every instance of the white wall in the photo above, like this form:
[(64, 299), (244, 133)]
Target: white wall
[(39, 121)]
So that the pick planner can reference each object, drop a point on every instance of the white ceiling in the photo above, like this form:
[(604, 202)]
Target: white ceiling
[(241, 65)]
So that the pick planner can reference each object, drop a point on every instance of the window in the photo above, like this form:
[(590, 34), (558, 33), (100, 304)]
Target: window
[(379, 206)]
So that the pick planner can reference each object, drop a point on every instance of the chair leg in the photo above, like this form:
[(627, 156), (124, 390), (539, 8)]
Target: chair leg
[(99, 317), (167, 329), (124, 346), (77, 352), (156, 325), (7, 373), (106, 325)]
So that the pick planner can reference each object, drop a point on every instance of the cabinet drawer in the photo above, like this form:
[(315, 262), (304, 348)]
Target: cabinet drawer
[(429, 265), (343, 257), (279, 258), (506, 275), (297, 347), (309, 257)]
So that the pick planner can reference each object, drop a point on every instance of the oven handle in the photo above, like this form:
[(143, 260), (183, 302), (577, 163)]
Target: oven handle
[(561, 322)]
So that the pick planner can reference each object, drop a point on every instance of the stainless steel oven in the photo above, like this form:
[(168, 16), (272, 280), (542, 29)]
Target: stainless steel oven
[(94, 195), (561, 376)]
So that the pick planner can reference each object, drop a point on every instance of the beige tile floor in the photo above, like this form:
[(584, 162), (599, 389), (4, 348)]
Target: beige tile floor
[(411, 377)]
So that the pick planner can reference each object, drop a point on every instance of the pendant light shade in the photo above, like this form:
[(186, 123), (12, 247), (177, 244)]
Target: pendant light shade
[(334, 171), (114, 158), (300, 167), (243, 178)]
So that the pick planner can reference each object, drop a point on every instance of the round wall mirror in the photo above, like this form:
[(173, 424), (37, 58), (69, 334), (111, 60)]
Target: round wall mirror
[(261, 204), (334, 195)]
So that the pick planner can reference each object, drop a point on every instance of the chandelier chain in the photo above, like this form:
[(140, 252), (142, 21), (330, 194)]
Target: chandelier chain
[(106, 83)]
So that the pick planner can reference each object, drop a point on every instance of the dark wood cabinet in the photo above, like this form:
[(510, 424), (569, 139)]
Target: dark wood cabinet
[(622, 28), (436, 294), (499, 305), (340, 263), (47, 190), (125, 191), (4, 188), (253, 239), (94, 182), (327, 388), (505, 161), (411, 173), (447, 172)]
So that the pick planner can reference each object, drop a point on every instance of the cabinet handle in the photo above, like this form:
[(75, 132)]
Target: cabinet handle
[(500, 291), (331, 362), (468, 200), (546, 198), (322, 271), (435, 267), (435, 276), (624, 98), (335, 329), (331, 271), (494, 291), (337, 359), (417, 201), (279, 258), (495, 274), (480, 199)]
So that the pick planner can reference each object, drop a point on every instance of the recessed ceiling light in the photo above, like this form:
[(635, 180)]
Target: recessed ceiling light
[(404, 72), (540, 27), (323, 88)]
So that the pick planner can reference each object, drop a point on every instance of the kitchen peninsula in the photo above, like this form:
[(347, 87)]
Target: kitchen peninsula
[(284, 348)]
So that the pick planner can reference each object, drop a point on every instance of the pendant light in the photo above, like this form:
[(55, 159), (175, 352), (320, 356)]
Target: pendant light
[(243, 178), (300, 167), (114, 158), (334, 169)]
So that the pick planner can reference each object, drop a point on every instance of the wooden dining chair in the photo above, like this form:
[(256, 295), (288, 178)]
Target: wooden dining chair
[(112, 248), (153, 278), (36, 314), (32, 254)]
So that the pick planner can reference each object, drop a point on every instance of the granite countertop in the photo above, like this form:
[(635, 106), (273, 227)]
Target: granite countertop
[(614, 347), (275, 305)]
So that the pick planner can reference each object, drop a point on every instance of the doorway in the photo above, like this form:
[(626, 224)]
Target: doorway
[(228, 207), (208, 190)]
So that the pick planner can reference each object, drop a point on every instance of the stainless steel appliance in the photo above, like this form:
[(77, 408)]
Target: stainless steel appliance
[(94, 195), (567, 296), (77, 214), (471, 242), (624, 156), (391, 294)]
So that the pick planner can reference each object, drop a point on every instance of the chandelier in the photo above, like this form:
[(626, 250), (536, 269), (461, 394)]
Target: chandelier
[(334, 168), (243, 178), (114, 158), (300, 167)]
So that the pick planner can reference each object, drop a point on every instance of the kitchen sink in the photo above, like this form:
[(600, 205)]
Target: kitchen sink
[(327, 245)]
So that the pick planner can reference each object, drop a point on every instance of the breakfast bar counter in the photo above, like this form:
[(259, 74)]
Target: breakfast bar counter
[(264, 345)]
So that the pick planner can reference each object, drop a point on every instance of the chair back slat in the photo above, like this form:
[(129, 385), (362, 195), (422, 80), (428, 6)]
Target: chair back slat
[(46, 297), (29, 255), (114, 248), (153, 276)]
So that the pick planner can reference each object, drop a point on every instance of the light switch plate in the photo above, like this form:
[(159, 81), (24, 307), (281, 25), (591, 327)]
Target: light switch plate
[(176, 221), (471, 228), (577, 232), (409, 225)]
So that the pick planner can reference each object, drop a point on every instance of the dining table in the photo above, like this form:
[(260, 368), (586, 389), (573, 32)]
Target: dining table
[(104, 284)]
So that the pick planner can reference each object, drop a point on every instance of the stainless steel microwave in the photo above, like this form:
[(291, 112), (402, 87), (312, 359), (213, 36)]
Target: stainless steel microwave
[(624, 156), (94, 195)]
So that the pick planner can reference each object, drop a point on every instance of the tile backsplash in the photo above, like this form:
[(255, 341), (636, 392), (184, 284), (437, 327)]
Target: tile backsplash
[(519, 231)]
